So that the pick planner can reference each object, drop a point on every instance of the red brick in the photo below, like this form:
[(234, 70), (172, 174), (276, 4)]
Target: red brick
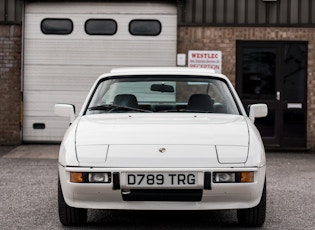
[(10, 87), (224, 39)]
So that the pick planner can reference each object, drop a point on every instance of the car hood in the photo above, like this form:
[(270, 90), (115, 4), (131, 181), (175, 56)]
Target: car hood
[(142, 140)]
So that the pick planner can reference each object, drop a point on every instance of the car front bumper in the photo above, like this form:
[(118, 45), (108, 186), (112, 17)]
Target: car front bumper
[(110, 196)]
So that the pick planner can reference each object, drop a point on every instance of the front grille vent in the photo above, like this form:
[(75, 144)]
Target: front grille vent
[(162, 195)]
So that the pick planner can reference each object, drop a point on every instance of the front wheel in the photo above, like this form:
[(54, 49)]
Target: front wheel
[(254, 217), (70, 216)]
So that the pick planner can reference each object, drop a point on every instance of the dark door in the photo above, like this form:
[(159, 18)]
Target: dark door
[(275, 73)]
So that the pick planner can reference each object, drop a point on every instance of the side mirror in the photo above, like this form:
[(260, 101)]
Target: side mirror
[(65, 110), (257, 110)]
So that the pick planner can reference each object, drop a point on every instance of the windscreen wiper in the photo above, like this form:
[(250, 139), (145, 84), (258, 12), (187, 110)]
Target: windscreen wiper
[(194, 111), (101, 107), (113, 107)]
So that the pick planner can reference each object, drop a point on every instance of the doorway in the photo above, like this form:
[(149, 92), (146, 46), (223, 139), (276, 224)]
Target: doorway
[(275, 73)]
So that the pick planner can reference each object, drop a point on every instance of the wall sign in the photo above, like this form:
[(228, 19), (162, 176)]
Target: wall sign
[(205, 59)]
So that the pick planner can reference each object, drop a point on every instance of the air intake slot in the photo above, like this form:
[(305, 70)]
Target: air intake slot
[(163, 195)]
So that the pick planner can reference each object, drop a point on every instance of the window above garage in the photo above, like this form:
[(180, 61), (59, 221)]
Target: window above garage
[(145, 27), (57, 26), (101, 27)]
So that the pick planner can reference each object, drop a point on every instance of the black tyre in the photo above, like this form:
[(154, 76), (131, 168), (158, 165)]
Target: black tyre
[(253, 217), (70, 216)]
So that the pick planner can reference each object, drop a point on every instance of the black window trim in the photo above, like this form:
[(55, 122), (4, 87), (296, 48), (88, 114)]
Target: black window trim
[(148, 20), (101, 19), (57, 19)]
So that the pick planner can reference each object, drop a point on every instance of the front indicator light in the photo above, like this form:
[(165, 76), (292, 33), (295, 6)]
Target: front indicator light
[(85, 177), (233, 177), (247, 177), (76, 177)]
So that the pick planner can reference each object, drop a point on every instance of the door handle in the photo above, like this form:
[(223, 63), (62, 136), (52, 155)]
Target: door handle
[(278, 96)]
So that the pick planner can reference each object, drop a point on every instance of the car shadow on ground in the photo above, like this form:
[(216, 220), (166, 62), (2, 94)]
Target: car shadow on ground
[(113, 219)]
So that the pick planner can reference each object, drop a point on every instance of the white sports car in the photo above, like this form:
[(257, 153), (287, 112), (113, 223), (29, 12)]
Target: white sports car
[(162, 139)]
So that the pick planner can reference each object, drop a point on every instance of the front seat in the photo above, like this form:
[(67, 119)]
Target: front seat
[(200, 102), (127, 100)]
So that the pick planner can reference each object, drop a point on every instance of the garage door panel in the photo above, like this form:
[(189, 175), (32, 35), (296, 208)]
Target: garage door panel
[(39, 128), (102, 7), (41, 103), (73, 78), (62, 68), (99, 53), (167, 33)]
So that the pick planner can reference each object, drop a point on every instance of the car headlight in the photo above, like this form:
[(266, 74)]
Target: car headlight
[(95, 177), (224, 177), (99, 177), (233, 177)]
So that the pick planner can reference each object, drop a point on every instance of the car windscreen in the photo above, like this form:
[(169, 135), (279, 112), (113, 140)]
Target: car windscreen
[(162, 94)]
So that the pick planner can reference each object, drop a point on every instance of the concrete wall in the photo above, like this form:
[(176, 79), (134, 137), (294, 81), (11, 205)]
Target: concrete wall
[(10, 84)]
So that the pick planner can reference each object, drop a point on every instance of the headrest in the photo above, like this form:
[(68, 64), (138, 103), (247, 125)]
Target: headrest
[(200, 102), (128, 100)]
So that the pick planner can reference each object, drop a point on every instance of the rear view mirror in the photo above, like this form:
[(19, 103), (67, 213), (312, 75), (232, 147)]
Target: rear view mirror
[(257, 110), (162, 88), (65, 110)]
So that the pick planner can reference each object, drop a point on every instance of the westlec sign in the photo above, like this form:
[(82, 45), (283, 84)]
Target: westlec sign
[(205, 59)]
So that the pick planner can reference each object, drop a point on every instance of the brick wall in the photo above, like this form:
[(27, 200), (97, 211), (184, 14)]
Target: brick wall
[(10, 84), (189, 38), (224, 39)]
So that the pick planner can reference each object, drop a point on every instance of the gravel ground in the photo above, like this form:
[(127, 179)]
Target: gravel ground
[(29, 198)]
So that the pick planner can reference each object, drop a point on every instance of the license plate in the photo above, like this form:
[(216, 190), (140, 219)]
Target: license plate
[(155, 180)]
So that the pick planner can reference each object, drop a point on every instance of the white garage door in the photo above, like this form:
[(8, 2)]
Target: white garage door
[(67, 45)]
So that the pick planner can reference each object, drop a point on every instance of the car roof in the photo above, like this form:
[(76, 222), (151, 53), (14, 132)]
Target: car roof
[(174, 70), (161, 71)]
